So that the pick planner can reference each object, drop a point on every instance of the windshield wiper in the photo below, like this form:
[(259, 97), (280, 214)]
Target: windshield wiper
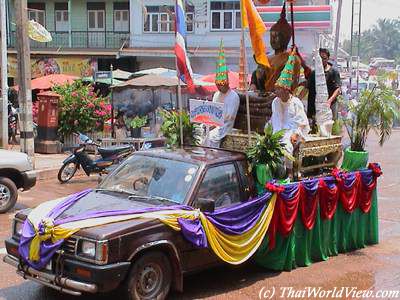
[(158, 198), (115, 191)]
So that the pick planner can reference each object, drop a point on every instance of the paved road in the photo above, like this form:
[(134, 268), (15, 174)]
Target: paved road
[(375, 268)]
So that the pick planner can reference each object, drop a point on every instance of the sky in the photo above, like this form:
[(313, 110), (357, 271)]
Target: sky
[(372, 10)]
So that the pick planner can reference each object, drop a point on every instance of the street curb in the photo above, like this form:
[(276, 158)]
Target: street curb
[(51, 173), (44, 174)]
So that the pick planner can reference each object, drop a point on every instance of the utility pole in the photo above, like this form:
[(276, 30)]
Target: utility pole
[(337, 33), (24, 78), (4, 87)]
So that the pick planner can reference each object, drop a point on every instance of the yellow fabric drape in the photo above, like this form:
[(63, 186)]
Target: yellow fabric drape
[(251, 19), (233, 249), (236, 249)]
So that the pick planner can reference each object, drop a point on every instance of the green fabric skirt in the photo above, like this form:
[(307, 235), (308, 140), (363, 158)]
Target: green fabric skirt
[(344, 232)]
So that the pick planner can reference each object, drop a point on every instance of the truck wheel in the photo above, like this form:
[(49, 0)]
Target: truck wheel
[(8, 194), (67, 171), (149, 278)]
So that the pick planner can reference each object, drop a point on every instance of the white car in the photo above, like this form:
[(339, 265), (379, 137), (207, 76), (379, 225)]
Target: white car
[(16, 172)]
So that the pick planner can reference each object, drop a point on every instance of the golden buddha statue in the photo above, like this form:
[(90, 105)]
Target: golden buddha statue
[(281, 33)]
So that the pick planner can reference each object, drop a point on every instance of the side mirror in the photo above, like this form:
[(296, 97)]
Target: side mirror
[(206, 205)]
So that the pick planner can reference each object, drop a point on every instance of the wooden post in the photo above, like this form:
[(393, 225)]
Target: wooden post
[(4, 87), (24, 78)]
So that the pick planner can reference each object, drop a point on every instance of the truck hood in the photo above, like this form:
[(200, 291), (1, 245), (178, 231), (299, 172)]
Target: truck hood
[(14, 160), (100, 201)]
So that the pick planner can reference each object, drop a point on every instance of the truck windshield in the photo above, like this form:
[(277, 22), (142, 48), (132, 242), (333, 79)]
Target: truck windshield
[(152, 178)]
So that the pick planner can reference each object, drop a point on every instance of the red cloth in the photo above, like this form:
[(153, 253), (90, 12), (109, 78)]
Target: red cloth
[(328, 199), (308, 207), (348, 197), (284, 217), (365, 195)]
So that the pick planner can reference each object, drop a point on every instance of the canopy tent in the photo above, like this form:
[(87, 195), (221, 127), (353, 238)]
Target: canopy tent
[(150, 81), (102, 80), (47, 82), (121, 74), (210, 78)]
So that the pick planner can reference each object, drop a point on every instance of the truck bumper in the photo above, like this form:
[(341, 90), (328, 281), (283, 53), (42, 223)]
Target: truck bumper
[(77, 277), (29, 179)]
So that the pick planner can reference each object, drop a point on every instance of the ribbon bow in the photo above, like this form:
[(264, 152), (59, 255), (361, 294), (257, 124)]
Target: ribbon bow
[(46, 231), (376, 169), (274, 188)]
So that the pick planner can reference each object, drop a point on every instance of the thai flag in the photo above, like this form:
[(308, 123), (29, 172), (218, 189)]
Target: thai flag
[(182, 60)]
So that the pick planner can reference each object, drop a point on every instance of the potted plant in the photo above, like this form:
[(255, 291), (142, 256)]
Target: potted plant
[(136, 125), (266, 155), (375, 109), (170, 128)]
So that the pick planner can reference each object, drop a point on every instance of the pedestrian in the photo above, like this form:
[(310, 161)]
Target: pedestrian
[(333, 84), (121, 131)]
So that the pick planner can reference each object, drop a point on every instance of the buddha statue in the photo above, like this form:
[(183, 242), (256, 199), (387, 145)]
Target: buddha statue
[(280, 35)]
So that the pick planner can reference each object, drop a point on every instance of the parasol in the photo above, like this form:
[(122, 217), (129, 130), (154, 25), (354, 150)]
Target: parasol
[(38, 33)]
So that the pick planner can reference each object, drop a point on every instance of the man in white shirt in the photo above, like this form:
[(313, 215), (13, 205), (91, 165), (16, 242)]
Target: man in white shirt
[(231, 101), (288, 113), (228, 97)]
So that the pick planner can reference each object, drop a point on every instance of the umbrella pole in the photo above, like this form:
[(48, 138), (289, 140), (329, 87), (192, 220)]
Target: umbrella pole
[(112, 107)]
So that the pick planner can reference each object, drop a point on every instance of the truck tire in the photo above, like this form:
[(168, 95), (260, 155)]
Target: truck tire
[(149, 278), (8, 194)]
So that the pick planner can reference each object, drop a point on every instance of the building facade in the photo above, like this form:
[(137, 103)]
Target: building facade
[(135, 34)]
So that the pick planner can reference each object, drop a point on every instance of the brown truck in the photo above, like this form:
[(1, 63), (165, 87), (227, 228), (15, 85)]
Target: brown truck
[(143, 256)]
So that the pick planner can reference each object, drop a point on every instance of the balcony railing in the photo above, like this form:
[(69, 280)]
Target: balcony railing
[(80, 39)]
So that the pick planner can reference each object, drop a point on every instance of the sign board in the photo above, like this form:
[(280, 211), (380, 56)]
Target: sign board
[(78, 66), (206, 112), (102, 75)]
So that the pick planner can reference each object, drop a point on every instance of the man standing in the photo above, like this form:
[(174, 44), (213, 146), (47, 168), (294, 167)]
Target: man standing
[(332, 81), (228, 97)]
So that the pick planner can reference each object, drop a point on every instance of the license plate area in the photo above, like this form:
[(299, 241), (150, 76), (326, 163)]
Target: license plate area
[(49, 266)]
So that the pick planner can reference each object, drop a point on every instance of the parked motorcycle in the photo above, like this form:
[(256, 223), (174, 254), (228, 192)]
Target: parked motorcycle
[(80, 158)]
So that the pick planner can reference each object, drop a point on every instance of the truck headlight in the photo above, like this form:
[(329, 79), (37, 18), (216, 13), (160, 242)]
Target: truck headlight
[(17, 227), (96, 251), (88, 249)]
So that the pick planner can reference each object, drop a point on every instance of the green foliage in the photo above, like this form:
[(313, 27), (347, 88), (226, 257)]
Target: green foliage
[(376, 109), (81, 109), (138, 122), (170, 128), (268, 149), (383, 40)]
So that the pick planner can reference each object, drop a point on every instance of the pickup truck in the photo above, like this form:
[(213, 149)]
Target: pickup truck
[(16, 172), (143, 257)]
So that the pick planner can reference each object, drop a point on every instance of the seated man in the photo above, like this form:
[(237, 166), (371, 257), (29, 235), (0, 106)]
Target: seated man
[(229, 98), (288, 113)]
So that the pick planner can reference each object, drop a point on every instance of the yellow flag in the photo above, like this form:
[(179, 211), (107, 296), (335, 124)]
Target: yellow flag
[(251, 19)]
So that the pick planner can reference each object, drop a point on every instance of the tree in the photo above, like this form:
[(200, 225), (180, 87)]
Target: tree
[(382, 40)]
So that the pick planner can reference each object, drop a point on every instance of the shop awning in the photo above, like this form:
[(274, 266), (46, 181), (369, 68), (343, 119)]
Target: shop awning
[(47, 82)]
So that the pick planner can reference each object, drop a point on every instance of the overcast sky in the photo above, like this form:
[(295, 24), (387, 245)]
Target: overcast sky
[(372, 10)]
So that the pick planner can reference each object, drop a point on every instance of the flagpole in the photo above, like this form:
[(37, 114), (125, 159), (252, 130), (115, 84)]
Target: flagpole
[(179, 83), (246, 81)]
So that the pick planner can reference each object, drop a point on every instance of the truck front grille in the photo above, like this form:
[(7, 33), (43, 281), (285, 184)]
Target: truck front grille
[(69, 245)]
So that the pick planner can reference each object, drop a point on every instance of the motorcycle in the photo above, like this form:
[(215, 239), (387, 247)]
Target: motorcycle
[(80, 158)]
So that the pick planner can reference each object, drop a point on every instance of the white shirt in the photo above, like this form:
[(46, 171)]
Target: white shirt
[(231, 105), (290, 116)]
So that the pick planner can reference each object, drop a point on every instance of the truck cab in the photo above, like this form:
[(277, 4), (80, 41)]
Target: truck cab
[(142, 256)]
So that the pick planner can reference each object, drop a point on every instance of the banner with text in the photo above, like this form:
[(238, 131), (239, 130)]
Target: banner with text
[(206, 112)]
